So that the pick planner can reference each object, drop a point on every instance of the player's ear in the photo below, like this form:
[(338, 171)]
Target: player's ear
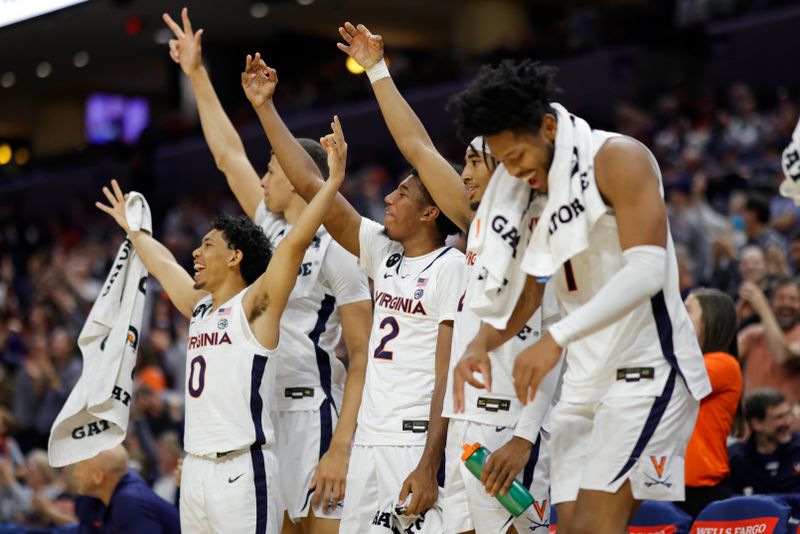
[(236, 257), (98, 476), (429, 214), (548, 128)]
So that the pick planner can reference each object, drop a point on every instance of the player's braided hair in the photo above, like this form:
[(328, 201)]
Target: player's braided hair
[(242, 234), (514, 95)]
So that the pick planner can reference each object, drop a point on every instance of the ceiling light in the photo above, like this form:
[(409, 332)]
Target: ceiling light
[(44, 69), (5, 153), (352, 66), (8, 79), (81, 59), (22, 156), (305, 2), (259, 10)]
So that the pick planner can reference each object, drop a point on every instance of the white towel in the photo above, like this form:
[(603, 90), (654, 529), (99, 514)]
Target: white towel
[(499, 235), (390, 519), (573, 201), (790, 187), (95, 416)]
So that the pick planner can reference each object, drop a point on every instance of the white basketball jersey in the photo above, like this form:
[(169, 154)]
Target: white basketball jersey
[(308, 371), (229, 381), (635, 354), (500, 407), (412, 296)]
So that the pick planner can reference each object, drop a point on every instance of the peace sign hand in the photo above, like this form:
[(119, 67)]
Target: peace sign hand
[(185, 49), (363, 46)]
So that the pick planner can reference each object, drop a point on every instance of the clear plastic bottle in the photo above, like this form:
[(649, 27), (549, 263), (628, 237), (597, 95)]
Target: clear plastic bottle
[(516, 500)]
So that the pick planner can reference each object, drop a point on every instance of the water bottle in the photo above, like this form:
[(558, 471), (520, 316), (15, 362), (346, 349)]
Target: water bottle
[(516, 500)]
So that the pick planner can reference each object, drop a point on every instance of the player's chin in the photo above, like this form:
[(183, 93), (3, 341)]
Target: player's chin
[(199, 285)]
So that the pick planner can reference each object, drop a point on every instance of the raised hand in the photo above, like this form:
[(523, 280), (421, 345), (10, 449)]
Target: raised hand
[(363, 46), (258, 80), (336, 147), (185, 49), (532, 364), (116, 207)]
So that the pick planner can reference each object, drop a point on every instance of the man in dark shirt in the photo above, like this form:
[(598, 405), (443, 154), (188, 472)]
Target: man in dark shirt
[(117, 500), (768, 462)]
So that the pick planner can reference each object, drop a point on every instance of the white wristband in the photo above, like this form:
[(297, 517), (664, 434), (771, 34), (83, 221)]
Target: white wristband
[(378, 71)]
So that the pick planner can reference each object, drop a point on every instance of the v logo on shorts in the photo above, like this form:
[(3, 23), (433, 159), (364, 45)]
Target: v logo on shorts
[(540, 510), (232, 480), (658, 465)]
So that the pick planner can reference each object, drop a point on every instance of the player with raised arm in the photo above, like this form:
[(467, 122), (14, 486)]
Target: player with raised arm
[(331, 298), (635, 373), (400, 436), (234, 302), (515, 435)]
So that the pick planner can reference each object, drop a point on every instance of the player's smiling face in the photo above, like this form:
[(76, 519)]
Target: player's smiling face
[(526, 155), (277, 189), (404, 207), (476, 175), (212, 260)]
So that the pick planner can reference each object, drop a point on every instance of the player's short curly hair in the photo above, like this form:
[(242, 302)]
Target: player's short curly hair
[(445, 226), (514, 95), (242, 234), (317, 153)]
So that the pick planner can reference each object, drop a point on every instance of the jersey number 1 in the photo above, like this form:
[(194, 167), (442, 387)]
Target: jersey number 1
[(394, 329)]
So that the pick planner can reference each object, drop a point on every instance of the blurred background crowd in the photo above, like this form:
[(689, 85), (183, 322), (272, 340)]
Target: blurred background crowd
[(694, 80)]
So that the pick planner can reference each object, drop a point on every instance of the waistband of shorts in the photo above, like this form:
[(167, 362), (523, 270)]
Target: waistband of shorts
[(227, 455)]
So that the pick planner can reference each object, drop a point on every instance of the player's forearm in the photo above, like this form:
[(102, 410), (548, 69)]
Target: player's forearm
[(312, 216), (529, 301), (407, 131), (348, 415), (437, 428), (222, 138), (440, 179), (300, 169), (153, 254)]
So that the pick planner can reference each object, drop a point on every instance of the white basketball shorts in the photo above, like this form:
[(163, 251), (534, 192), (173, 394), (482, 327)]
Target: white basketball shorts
[(238, 493), (600, 445), (301, 438)]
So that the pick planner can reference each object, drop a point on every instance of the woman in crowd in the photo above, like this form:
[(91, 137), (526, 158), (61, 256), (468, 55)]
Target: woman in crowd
[(713, 315)]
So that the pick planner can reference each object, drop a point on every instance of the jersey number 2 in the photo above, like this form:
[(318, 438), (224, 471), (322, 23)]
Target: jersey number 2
[(394, 329), (198, 365)]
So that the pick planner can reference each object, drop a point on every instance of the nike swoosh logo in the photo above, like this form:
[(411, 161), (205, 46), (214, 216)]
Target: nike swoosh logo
[(387, 275), (499, 428), (232, 480)]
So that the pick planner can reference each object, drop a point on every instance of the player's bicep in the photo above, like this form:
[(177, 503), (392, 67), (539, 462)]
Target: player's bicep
[(343, 223), (445, 186), (356, 320), (179, 286), (244, 182), (627, 177)]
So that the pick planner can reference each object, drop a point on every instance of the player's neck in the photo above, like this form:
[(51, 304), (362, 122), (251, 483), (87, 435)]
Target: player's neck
[(293, 211), (226, 291), (419, 244)]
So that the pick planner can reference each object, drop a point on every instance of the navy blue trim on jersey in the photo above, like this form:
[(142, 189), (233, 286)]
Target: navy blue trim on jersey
[(402, 257), (325, 427), (664, 327), (326, 308), (533, 459), (256, 454), (650, 425)]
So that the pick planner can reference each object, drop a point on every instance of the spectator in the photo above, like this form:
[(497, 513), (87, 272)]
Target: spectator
[(752, 269), (170, 452), (768, 461), (770, 350), (115, 499), (686, 225), (714, 318), (8, 445), (756, 226), (38, 501)]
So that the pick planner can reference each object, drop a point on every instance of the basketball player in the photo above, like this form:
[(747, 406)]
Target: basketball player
[(634, 371), (519, 446), (234, 302), (400, 435), (313, 450)]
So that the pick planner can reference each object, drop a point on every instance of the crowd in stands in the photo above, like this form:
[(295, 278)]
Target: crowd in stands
[(720, 159)]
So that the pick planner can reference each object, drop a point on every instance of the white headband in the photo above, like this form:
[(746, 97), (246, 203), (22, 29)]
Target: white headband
[(479, 145)]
